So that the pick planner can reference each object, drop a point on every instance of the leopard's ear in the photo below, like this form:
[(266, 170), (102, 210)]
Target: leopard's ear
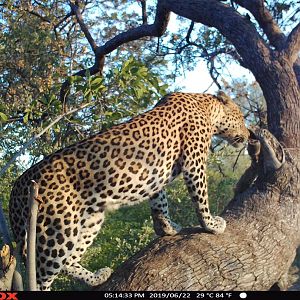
[(225, 99)]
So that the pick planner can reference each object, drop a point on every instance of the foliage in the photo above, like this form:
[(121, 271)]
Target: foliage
[(125, 91)]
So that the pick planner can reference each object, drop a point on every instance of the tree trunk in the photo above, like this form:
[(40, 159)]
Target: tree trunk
[(255, 252), (282, 94)]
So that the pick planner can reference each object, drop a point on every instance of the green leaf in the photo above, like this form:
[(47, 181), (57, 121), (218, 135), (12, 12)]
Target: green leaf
[(25, 118), (97, 80), (3, 117), (75, 79), (56, 128)]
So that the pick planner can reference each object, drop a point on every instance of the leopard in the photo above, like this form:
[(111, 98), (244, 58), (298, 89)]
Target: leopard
[(128, 163)]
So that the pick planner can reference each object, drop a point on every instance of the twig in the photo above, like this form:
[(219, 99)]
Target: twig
[(237, 159), (65, 88), (31, 236)]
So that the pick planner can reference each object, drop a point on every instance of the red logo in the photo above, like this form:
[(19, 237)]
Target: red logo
[(8, 296)]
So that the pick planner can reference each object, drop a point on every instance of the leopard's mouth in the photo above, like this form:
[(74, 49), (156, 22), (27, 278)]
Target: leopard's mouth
[(238, 141)]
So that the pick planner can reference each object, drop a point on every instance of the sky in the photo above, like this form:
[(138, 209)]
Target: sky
[(199, 80)]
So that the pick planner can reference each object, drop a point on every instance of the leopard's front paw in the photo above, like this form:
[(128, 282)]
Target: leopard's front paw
[(216, 225), (164, 226)]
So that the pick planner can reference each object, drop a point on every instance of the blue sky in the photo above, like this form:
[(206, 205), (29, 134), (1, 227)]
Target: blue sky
[(199, 80)]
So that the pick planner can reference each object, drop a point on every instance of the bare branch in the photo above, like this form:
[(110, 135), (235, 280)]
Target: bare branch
[(265, 20), (62, 20), (33, 203), (144, 12), (83, 26), (292, 47), (43, 18), (188, 35)]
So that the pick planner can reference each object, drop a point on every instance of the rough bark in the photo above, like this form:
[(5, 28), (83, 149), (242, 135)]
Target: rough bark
[(265, 20), (254, 253)]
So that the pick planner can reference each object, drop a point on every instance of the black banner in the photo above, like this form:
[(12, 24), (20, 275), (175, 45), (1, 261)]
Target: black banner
[(149, 295)]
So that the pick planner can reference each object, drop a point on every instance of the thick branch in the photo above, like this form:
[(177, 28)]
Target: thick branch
[(293, 44), (265, 21), (157, 29), (231, 24)]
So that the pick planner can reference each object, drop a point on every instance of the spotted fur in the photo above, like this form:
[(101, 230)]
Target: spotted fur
[(125, 165)]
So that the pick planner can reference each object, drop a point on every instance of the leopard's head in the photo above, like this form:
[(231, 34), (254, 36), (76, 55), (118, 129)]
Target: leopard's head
[(231, 125)]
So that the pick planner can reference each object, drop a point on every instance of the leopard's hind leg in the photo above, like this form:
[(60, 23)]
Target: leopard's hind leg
[(90, 226)]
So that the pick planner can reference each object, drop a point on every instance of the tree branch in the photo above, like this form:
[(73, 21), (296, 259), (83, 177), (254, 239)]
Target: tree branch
[(33, 203), (265, 20), (34, 13), (292, 47), (157, 29), (208, 12), (144, 11), (83, 26), (255, 251)]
